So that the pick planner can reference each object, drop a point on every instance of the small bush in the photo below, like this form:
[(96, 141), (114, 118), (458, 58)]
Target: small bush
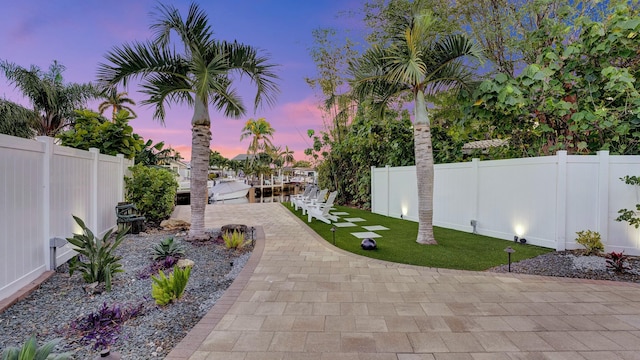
[(95, 260), (153, 190), (590, 240), (31, 351), (234, 240), (617, 262), (103, 326), (168, 247), (167, 289)]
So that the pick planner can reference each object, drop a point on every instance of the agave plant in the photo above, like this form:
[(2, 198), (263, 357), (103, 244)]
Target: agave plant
[(31, 351), (167, 248)]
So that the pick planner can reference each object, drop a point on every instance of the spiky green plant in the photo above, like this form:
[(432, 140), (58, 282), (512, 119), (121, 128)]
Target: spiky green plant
[(167, 289), (31, 351), (234, 240), (95, 259), (168, 247)]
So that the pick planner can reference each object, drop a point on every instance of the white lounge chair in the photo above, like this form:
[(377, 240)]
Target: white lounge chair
[(312, 201), (313, 194), (320, 211), (305, 194)]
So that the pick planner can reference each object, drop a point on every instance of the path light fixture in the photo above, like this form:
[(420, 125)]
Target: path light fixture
[(509, 251), (253, 239), (333, 232)]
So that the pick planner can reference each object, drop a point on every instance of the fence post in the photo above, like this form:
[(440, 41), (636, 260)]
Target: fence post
[(561, 200), (387, 170), (475, 164), (93, 195), (47, 156), (602, 217), (120, 177), (373, 190)]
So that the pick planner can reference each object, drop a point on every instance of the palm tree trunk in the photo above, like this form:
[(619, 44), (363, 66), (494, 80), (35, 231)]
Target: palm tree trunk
[(424, 171), (200, 142)]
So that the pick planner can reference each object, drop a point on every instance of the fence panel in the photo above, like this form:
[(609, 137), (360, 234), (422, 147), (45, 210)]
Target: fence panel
[(41, 186), (544, 199)]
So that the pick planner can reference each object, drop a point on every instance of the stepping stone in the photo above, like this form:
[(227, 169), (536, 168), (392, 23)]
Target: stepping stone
[(354, 219), (340, 213), (366, 234), (344, 224), (375, 228)]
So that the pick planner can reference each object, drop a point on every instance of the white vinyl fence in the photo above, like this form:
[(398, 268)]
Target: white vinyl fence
[(544, 199), (41, 186)]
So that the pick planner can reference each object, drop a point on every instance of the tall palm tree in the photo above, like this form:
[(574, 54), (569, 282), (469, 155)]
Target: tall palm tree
[(53, 101), (260, 132), (287, 156), (416, 63), (200, 75), (116, 101)]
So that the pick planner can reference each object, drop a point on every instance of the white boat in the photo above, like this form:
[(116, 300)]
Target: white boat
[(184, 187), (226, 190)]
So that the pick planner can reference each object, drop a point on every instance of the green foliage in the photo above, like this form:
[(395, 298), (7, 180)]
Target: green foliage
[(234, 240), (581, 96), (155, 154), (16, 120), (91, 130), (590, 240), (95, 261), (153, 190), (455, 249), (630, 216), (168, 289), (167, 247), (31, 351)]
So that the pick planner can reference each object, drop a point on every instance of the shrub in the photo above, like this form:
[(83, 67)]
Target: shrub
[(630, 216), (167, 289), (617, 261), (168, 247), (234, 240), (95, 258), (590, 240), (31, 351), (153, 190), (103, 326)]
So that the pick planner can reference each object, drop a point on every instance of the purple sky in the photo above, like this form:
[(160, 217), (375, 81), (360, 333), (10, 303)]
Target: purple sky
[(78, 33)]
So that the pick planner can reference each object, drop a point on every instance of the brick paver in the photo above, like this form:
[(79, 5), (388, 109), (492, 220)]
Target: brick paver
[(301, 298)]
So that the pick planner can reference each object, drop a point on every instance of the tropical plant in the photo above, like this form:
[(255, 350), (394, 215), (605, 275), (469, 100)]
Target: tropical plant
[(155, 154), (116, 101), (260, 132), (53, 101), (91, 130), (167, 289), (415, 63), (31, 351), (234, 240), (200, 76), (591, 241), (16, 120), (103, 326), (153, 190), (617, 261), (95, 260), (167, 248), (287, 156), (631, 216)]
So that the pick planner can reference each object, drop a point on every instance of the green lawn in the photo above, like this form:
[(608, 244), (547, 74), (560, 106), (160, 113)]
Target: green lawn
[(455, 249)]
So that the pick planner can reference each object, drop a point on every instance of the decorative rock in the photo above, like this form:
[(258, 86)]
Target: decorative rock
[(368, 244), (183, 263), (175, 224), (234, 227)]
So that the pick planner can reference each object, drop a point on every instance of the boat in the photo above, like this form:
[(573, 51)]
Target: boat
[(184, 187), (226, 190)]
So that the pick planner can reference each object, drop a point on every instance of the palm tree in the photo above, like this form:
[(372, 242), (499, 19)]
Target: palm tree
[(260, 132), (416, 63), (200, 75), (287, 156), (16, 120), (53, 101), (116, 101)]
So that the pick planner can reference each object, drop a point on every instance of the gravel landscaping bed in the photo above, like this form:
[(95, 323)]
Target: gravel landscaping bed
[(573, 264), (50, 311)]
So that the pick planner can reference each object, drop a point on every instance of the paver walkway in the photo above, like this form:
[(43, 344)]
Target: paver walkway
[(304, 299)]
